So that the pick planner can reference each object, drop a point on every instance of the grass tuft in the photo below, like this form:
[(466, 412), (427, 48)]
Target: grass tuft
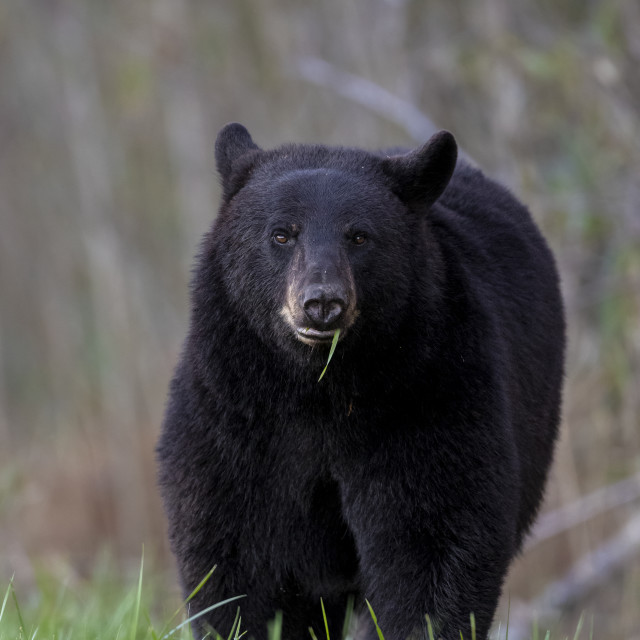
[(348, 618), (105, 607), (375, 621), (22, 629), (429, 628), (6, 597), (579, 627), (275, 627), (324, 613), (138, 599), (102, 607)]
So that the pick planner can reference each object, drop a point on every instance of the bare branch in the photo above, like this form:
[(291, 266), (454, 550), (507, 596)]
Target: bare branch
[(589, 572), (372, 96), (585, 508), (369, 95)]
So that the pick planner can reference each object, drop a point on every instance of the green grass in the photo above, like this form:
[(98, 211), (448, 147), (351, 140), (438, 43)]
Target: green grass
[(103, 605), (109, 605), (334, 342)]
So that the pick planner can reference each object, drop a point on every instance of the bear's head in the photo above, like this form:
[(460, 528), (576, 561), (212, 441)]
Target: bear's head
[(310, 239)]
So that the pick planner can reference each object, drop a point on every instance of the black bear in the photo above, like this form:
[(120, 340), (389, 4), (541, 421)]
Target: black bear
[(409, 474)]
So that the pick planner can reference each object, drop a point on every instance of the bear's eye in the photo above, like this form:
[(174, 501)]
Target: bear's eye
[(281, 238), (359, 238)]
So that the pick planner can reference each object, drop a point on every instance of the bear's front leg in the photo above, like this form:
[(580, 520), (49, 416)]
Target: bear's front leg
[(434, 537)]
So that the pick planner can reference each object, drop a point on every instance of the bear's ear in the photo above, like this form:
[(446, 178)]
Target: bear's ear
[(233, 142), (421, 176)]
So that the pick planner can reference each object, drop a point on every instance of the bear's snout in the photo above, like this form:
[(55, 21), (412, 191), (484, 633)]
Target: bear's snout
[(321, 296), (324, 305), (319, 309)]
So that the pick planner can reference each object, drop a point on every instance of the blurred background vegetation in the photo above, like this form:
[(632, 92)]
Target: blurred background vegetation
[(108, 114)]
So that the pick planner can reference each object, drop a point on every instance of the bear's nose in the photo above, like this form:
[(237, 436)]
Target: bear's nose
[(323, 306)]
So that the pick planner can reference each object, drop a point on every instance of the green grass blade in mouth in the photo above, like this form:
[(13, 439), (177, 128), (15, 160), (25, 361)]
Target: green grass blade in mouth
[(334, 342)]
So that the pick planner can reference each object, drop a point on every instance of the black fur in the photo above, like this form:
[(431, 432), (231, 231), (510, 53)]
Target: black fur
[(408, 475)]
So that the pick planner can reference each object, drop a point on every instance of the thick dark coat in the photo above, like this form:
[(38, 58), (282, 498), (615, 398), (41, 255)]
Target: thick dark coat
[(411, 472)]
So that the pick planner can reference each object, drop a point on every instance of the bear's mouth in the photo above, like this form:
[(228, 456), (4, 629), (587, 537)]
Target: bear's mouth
[(315, 336)]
